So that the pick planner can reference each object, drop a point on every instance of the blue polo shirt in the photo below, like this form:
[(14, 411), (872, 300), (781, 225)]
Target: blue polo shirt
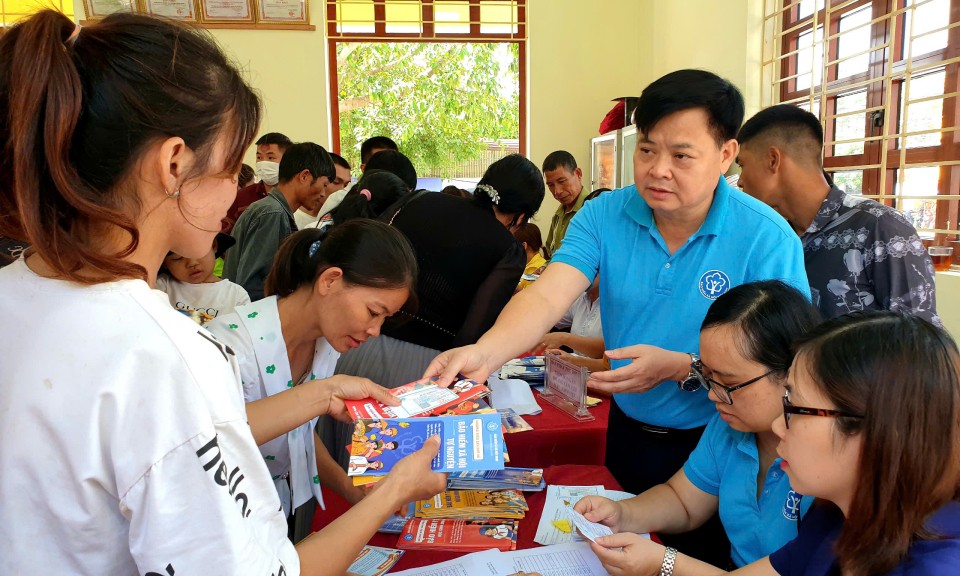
[(653, 297), (725, 464)]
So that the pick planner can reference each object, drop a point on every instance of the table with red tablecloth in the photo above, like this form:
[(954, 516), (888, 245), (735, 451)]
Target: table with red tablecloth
[(565, 475), (557, 438)]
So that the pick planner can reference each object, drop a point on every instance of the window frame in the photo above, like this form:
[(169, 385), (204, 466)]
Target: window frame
[(884, 155)]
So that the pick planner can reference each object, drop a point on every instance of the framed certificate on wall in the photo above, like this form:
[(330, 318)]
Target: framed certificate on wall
[(283, 12), (184, 10), (227, 11), (103, 8)]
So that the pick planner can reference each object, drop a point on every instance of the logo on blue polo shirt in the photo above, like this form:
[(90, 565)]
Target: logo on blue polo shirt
[(713, 284), (791, 506)]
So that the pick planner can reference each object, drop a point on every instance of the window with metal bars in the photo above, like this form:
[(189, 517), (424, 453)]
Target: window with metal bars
[(883, 78)]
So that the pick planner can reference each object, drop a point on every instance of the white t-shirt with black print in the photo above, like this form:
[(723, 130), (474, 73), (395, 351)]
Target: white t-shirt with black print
[(124, 444)]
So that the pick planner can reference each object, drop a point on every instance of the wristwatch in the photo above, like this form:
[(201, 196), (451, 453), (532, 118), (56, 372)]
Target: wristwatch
[(692, 382), (669, 559)]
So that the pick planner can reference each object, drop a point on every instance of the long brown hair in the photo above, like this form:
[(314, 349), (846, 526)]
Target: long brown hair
[(903, 375), (77, 111)]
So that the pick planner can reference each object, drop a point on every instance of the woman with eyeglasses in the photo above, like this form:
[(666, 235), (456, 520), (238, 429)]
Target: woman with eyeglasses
[(871, 428), (745, 346)]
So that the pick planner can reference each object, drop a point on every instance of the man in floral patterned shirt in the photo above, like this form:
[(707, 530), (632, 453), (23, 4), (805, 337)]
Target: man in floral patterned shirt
[(859, 254)]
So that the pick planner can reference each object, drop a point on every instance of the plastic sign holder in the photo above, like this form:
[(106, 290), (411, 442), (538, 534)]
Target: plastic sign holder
[(565, 386)]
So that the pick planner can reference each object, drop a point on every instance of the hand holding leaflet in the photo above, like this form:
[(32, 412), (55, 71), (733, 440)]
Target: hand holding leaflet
[(589, 530)]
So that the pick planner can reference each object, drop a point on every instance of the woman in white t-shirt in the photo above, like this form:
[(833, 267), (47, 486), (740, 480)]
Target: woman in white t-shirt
[(193, 288), (325, 297), (124, 441)]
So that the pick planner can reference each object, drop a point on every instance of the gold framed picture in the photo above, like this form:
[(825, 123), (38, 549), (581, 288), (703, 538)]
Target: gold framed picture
[(227, 11), (102, 8), (183, 10), (283, 12)]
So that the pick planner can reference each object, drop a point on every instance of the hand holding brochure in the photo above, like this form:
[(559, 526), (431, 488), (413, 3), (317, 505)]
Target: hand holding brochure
[(423, 398), (469, 442)]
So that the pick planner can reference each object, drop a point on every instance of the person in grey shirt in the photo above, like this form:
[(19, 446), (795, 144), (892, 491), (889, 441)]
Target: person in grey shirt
[(306, 172), (859, 254)]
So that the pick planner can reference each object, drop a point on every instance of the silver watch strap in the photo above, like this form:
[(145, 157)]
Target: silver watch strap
[(669, 559)]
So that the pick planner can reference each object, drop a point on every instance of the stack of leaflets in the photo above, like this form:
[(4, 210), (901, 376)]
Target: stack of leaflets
[(531, 368), (424, 398), (525, 479), (474, 505), (458, 535), (469, 442)]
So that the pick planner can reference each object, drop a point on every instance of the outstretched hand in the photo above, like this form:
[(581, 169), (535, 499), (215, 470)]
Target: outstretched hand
[(649, 367), (340, 388), (470, 361)]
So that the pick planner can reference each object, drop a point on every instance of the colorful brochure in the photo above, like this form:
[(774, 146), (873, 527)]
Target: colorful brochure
[(470, 442), (458, 535), (374, 561), (513, 422), (423, 398), (474, 505), (526, 479)]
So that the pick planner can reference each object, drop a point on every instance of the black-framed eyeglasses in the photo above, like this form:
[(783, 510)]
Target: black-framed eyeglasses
[(723, 393), (789, 409)]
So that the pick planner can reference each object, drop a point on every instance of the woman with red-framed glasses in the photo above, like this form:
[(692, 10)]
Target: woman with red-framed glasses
[(745, 352)]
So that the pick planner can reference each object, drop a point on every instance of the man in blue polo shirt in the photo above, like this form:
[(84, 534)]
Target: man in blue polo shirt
[(665, 249)]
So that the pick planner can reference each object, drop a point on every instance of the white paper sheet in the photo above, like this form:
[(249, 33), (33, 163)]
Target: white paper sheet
[(570, 559), (514, 394), (554, 508), (488, 562)]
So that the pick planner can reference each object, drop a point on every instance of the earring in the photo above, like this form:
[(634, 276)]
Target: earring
[(176, 193)]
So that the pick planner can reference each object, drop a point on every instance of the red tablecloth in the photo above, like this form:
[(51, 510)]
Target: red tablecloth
[(557, 438), (568, 475)]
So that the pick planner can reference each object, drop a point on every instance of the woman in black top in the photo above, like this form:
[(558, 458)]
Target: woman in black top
[(469, 267)]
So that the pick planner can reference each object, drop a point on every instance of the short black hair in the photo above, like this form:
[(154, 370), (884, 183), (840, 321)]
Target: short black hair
[(769, 315), (306, 156), (339, 160), (686, 89), (377, 142), (559, 159), (277, 138), (395, 163), (790, 127)]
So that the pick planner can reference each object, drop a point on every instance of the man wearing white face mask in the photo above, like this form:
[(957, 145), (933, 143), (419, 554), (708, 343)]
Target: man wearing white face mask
[(270, 149), (306, 171)]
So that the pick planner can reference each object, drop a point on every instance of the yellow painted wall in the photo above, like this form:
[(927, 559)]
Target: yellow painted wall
[(721, 36), (289, 70), (948, 304), (581, 55)]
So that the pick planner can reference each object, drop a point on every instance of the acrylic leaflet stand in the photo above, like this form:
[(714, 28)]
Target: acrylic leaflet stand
[(565, 386)]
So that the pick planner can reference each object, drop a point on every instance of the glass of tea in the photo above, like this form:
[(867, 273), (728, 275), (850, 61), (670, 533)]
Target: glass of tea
[(941, 256)]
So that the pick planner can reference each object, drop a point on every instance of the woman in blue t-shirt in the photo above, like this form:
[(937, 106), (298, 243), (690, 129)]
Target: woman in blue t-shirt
[(871, 427), (745, 347)]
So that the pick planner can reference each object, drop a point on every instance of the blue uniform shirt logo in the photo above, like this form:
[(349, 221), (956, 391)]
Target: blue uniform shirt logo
[(791, 506), (713, 284)]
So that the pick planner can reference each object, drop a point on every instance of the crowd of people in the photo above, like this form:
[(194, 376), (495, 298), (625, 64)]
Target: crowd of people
[(784, 397)]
